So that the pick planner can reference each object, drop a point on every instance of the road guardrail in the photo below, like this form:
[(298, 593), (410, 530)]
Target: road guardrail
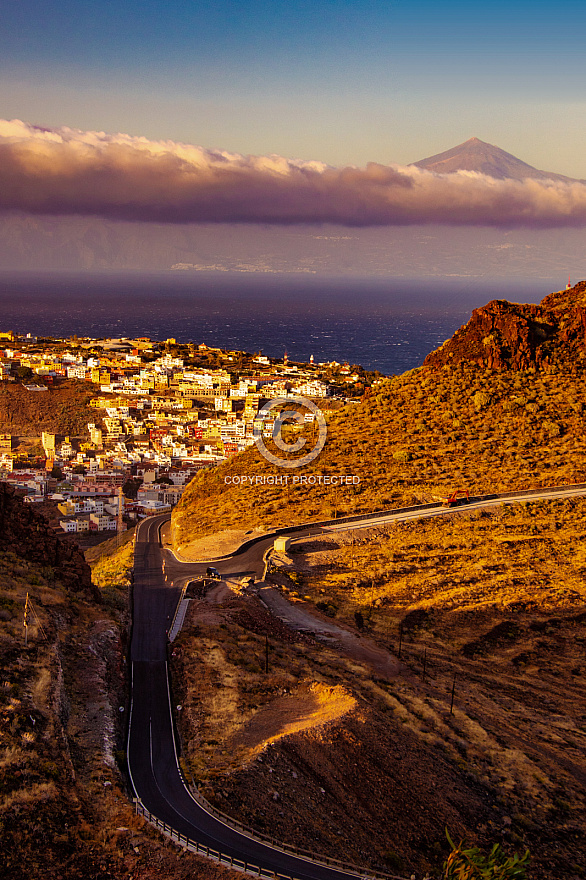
[(249, 867)]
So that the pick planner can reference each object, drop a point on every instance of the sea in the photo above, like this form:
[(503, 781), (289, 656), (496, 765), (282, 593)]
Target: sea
[(383, 324)]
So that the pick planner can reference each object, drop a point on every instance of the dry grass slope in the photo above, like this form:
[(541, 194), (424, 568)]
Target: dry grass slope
[(495, 599), (65, 811), (415, 439), (490, 604)]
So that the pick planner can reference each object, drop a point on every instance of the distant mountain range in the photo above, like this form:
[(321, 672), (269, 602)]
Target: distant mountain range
[(476, 155)]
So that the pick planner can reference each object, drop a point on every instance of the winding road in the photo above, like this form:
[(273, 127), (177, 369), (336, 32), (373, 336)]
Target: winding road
[(152, 758)]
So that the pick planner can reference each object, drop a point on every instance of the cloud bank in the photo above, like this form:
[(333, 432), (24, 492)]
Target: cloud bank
[(66, 172)]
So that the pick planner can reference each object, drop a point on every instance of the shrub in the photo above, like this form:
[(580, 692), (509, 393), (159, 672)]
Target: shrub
[(481, 400), (328, 608), (468, 863), (551, 429), (394, 860)]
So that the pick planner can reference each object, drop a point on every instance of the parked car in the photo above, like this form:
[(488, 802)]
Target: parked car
[(212, 572)]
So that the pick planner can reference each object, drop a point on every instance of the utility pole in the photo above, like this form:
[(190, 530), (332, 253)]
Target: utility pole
[(30, 613), (25, 620), (120, 522)]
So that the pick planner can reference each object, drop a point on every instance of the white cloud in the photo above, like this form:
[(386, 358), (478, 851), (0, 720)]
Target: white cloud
[(119, 176)]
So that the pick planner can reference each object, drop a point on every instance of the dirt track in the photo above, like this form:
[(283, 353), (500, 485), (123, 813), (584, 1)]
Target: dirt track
[(351, 644)]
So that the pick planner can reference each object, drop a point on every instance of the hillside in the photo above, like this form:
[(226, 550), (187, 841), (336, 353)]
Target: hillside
[(65, 811), (60, 410), (501, 405), (354, 716), (490, 606)]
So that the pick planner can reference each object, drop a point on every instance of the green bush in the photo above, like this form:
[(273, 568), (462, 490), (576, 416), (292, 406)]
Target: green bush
[(468, 863)]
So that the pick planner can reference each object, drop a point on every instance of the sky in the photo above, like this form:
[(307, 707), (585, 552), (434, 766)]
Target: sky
[(344, 83), (277, 136)]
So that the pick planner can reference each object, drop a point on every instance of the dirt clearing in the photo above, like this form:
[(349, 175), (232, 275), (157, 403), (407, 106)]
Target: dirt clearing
[(213, 546), (309, 706)]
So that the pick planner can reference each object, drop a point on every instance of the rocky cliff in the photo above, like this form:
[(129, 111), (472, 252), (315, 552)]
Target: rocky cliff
[(504, 335)]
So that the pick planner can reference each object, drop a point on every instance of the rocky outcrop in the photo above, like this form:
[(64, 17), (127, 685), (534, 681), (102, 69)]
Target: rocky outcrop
[(25, 531), (504, 335)]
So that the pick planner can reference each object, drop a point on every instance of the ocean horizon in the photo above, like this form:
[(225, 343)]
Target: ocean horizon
[(384, 324)]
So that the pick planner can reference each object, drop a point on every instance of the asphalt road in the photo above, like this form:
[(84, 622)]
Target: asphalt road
[(152, 760)]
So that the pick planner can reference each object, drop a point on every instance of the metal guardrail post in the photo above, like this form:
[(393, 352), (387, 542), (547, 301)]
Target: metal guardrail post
[(183, 591)]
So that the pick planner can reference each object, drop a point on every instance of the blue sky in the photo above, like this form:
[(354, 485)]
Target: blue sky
[(342, 82)]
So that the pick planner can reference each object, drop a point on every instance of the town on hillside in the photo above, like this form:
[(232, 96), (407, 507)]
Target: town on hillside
[(160, 411)]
